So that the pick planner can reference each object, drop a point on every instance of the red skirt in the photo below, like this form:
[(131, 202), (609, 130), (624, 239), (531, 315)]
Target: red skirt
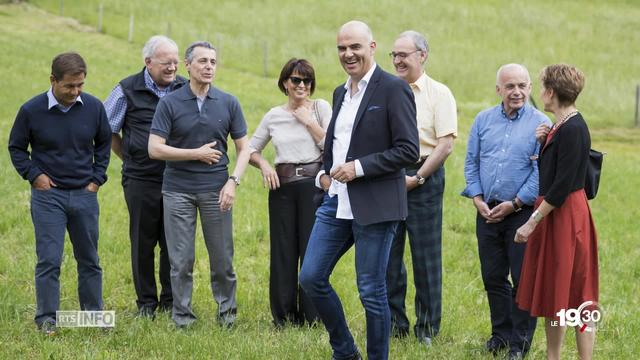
[(560, 267)]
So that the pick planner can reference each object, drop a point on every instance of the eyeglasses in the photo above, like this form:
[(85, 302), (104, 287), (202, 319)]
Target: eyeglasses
[(401, 55), (297, 80), (167, 64)]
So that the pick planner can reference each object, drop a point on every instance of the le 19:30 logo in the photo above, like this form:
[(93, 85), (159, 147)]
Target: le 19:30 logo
[(584, 317)]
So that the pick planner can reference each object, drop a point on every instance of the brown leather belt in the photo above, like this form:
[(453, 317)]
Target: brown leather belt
[(293, 172)]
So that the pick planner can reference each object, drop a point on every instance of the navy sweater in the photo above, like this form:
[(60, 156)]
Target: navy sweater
[(71, 148)]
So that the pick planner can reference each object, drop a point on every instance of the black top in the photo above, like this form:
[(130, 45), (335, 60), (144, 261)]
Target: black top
[(141, 105), (71, 148), (563, 161)]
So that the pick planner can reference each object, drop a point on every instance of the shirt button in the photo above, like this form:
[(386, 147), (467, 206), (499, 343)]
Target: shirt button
[(503, 150)]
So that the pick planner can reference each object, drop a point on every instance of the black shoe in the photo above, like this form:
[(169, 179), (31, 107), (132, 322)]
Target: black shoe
[(399, 332), (227, 319), (515, 355), (48, 328), (425, 340), (146, 312), (355, 356), (495, 344), (165, 307)]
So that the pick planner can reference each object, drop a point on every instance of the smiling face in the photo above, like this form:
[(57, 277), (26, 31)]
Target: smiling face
[(67, 89), (355, 50), (301, 90), (407, 60), (514, 87), (163, 65), (202, 68)]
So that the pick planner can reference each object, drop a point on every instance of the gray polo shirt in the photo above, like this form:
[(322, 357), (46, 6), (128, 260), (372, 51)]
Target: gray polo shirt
[(178, 120)]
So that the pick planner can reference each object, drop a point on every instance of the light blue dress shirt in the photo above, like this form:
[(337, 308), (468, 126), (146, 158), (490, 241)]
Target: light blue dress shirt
[(501, 160)]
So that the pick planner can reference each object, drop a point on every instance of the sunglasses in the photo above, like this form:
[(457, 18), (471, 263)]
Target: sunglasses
[(296, 81)]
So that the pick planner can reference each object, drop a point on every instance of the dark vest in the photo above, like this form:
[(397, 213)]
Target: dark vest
[(141, 105)]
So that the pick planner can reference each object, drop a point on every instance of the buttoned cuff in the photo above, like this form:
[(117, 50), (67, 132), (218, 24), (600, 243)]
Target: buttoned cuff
[(320, 173), (472, 190), (359, 171)]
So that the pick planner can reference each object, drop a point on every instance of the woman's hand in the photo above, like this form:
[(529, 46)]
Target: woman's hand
[(524, 231), (303, 115), (541, 132), (269, 177)]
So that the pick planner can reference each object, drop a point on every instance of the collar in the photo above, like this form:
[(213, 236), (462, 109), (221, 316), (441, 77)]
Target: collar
[(365, 79), (187, 94), (54, 102), (421, 83), (518, 113), (149, 83)]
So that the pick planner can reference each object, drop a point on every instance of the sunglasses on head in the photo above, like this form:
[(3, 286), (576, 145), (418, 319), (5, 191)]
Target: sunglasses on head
[(297, 80)]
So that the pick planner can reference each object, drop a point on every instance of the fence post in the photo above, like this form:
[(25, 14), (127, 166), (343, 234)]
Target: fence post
[(265, 58), (637, 105), (131, 27), (100, 12), (61, 7)]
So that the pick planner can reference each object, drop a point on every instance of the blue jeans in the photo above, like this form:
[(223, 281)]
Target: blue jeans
[(53, 211), (330, 239)]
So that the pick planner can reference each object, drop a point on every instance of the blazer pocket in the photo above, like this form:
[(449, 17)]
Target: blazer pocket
[(373, 108)]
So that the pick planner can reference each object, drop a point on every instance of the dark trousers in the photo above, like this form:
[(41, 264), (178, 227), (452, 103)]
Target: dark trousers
[(76, 211), (424, 225), (291, 218), (499, 256), (144, 201)]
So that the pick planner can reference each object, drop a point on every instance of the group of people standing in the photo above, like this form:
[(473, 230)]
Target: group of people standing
[(361, 172)]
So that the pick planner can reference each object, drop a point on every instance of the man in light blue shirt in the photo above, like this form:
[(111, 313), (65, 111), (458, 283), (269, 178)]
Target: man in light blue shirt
[(501, 173)]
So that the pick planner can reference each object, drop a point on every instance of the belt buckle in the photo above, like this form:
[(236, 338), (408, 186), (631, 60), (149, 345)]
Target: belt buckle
[(299, 171)]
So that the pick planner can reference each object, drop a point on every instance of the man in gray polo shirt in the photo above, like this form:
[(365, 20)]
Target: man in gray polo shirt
[(189, 131)]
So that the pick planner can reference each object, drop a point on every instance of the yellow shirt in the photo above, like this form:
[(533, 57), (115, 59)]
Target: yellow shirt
[(436, 112)]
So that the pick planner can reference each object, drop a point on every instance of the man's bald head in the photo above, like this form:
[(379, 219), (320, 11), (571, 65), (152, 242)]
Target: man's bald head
[(356, 27), (512, 69)]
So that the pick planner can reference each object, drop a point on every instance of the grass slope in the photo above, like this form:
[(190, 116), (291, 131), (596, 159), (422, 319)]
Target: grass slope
[(31, 37)]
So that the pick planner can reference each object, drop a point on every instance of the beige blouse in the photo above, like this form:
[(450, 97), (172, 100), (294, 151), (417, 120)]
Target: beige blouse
[(291, 139)]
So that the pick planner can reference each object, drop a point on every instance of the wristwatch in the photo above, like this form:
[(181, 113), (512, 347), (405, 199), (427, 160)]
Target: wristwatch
[(516, 208), (235, 179), (420, 179)]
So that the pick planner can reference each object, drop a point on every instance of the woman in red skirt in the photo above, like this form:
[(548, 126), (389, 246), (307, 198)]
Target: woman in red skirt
[(560, 268)]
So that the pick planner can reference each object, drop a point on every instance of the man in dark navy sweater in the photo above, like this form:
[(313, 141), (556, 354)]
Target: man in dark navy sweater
[(70, 141), (130, 108)]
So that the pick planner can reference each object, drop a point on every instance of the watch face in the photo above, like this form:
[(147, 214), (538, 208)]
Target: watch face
[(421, 180)]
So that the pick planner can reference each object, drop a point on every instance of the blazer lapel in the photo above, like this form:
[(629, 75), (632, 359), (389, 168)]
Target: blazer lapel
[(371, 88)]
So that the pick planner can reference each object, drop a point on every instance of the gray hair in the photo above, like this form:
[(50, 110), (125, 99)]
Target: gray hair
[(188, 54), (511, 66), (152, 45), (418, 39)]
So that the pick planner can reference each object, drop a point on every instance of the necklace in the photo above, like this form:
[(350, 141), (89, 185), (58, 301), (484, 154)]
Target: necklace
[(566, 117)]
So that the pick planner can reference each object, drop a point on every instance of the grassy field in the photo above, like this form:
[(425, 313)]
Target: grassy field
[(469, 41)]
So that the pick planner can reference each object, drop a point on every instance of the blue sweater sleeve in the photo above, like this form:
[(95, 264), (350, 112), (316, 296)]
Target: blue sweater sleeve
[(102, 147), (19, 147)]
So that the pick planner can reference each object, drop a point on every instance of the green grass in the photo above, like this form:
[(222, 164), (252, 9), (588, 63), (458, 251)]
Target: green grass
[(469, 41)]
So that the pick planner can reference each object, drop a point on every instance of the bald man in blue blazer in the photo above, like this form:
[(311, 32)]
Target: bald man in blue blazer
[(371, 138)]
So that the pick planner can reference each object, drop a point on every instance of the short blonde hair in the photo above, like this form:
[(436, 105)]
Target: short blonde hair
[(566, 81)]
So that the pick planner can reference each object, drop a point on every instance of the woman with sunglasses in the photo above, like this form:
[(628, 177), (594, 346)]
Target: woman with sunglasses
[(296, 129)]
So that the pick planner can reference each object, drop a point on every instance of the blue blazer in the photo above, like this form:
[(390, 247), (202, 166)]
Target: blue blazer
[(385, 140)]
